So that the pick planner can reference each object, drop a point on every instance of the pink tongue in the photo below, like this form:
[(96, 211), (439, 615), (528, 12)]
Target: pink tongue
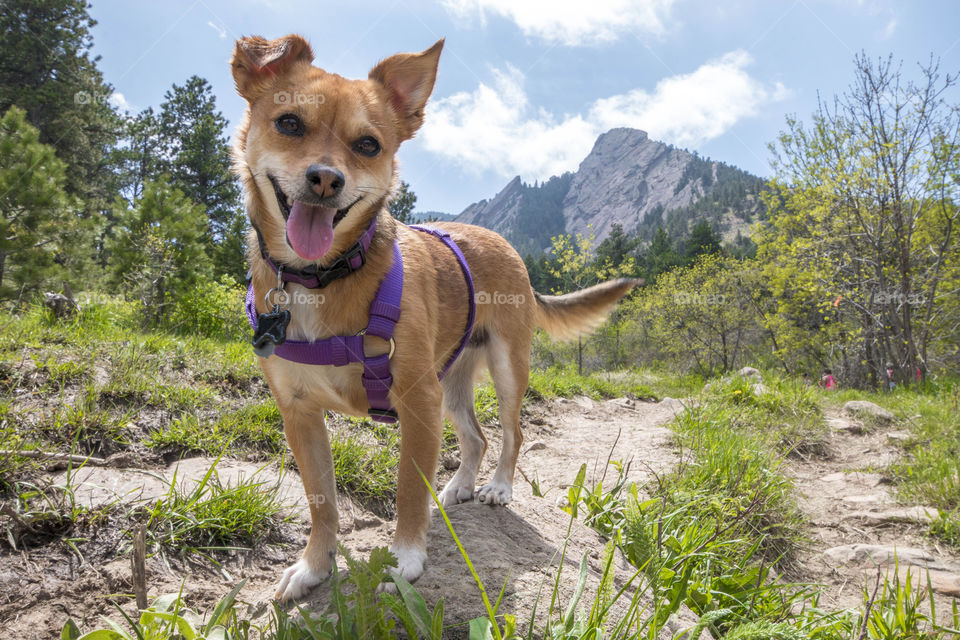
[(310, 230)]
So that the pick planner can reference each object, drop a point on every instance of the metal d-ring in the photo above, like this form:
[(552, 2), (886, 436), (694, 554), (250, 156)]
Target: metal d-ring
[(393, 343), (279, 287), (286, 298)]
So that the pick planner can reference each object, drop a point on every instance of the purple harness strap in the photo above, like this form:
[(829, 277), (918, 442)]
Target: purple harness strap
[(384, 314), (472, 314)]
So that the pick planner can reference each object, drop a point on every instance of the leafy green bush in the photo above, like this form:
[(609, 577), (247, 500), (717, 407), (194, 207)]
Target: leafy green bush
[(212, 309)]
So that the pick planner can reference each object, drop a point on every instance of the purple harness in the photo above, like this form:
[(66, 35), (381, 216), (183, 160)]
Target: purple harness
[(339, 351)]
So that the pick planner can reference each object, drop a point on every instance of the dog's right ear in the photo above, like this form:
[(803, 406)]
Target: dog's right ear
[(256, 61)]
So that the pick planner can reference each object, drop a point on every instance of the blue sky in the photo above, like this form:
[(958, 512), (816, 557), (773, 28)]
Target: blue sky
[(525, 86)]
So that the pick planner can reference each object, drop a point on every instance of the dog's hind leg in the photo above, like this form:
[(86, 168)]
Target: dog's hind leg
[(458, 406), (510, 369)]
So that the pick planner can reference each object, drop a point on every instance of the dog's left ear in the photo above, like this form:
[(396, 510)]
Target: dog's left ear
[(409, 78)]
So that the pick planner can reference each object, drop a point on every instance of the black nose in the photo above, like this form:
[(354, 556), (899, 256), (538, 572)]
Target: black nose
[(325, 181)]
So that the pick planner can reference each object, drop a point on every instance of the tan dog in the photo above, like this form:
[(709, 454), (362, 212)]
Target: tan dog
[(318, 143)]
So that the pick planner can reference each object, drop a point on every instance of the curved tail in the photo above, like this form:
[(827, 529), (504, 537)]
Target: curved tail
[(572, 314)]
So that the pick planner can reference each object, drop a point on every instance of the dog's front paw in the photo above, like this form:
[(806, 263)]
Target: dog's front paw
[(410, 562), (297, 580), (495, 493)]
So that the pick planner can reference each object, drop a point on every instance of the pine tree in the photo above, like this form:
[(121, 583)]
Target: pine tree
[(158, 248), (703, 240), (195, 152), (47, 70), (38, 222), (616, 247), (660, 256), (401, 205), (139, 160)]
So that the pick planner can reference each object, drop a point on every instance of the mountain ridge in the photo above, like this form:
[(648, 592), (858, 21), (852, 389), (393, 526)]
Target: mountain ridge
[(629, 180)]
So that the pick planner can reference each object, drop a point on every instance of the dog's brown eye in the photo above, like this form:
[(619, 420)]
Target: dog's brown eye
[(367, 146), (290, 125)]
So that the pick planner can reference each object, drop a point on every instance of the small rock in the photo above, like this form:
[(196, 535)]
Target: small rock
[(899, 436), (749, 372), (365, 522), (450, 462), (841, 424), (854, 477), (872, 555), (868, 409), (584, 402), (873, 498), (123, 459), (674, 405), (914, 515), (759, 388), (537, 445), (945, 583)]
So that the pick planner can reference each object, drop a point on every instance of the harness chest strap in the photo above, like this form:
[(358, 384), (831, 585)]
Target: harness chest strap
[(384, 314)]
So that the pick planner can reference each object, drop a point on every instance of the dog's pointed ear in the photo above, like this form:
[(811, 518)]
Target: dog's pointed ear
[(257, 60), (409, 78)]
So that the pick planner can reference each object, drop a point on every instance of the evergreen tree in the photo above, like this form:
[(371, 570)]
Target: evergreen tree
[(401, 205), (616, 247), (39, 227), (48, 71), (703, 240), (196, 151), (660, 256), (196, 154), (139, 160), (158, 248)]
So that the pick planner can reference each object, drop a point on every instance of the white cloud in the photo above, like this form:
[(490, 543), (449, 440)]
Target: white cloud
[(119, 102), (692, 108), (494, 128), (572, 22)]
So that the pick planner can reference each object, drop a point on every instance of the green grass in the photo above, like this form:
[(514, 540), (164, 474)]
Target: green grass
[(565, 382), (366, 473), (708, 532), (255, 426), (209, 514)]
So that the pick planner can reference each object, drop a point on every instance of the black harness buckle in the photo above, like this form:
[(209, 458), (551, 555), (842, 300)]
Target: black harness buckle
[(339, 268)]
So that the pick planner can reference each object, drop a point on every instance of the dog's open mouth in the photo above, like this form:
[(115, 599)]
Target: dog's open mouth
[(309, 226)]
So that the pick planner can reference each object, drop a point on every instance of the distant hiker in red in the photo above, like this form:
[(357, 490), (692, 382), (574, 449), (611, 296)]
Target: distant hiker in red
[(827, 381)]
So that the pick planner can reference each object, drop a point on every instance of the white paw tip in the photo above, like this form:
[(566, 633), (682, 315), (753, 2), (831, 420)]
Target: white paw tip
[(495, 493), (410, 561), (451, 496), (297, 580)]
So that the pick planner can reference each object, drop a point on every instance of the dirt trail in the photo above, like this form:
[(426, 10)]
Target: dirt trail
[(856, 526), (521, 542)]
